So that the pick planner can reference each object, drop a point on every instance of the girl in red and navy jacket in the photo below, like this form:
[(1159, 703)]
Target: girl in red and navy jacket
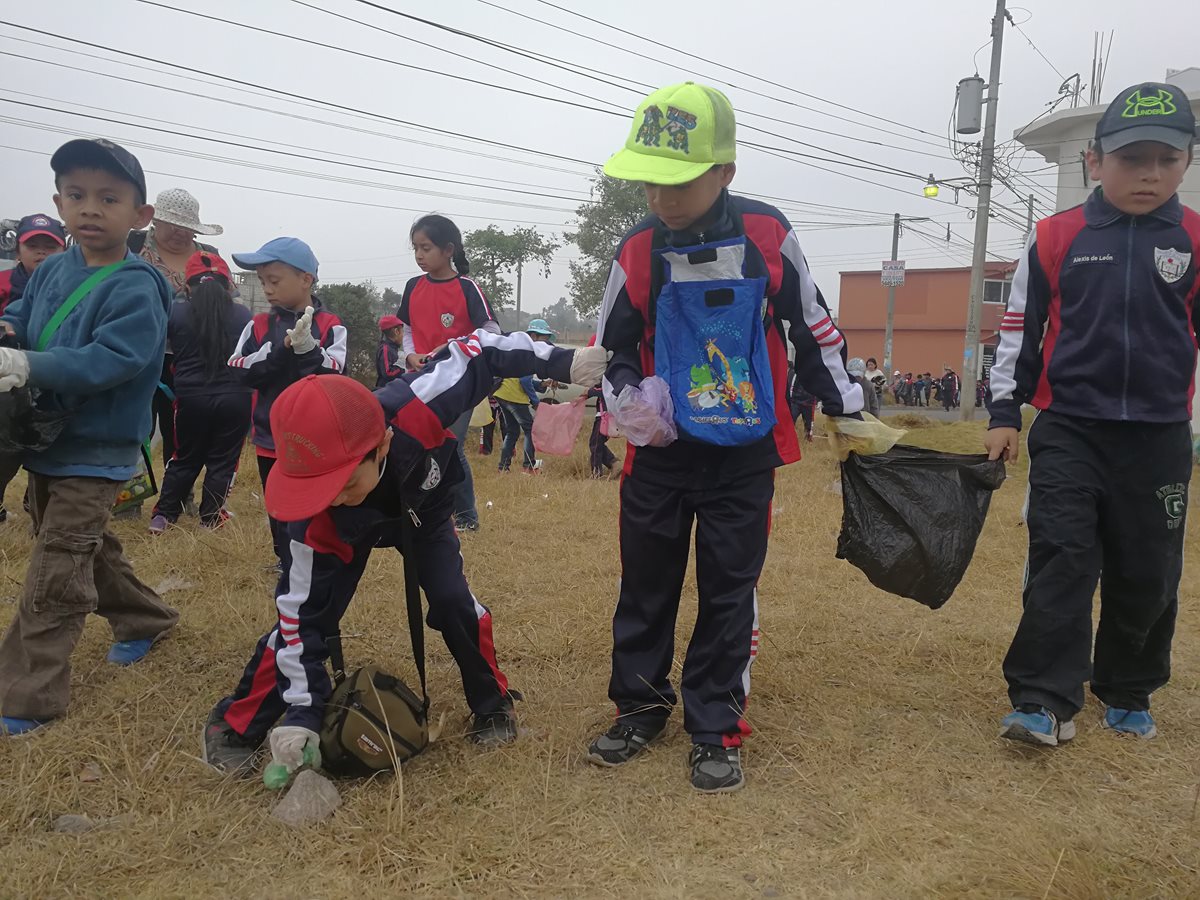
[(437, 307), (296, 338)]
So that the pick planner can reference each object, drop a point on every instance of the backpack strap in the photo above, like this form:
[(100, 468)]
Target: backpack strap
[(73, 301), (412, 600)]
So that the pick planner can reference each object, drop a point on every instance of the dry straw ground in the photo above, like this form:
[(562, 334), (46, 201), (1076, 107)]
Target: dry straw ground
[(874, 770)]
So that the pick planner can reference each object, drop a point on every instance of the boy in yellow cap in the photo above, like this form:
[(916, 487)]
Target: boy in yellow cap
[(703, 295)]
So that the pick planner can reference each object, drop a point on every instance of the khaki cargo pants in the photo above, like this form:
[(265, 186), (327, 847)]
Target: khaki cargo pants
[(77, 567)]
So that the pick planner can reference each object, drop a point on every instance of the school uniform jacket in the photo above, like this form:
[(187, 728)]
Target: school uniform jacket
[(421, 467), (1101, 321), (388, 364), (265, 364), (434, 312), (795, 311)]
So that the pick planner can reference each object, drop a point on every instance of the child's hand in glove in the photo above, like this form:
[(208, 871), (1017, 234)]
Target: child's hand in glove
[(644, 413), (14, 369), (300, 338), (291, 748), (588, 365)]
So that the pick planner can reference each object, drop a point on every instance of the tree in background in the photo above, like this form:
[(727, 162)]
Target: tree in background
[(599, 226), (391, 301), (357, 306), (494, 253)]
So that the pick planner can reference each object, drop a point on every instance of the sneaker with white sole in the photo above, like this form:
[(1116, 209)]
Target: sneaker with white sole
[(1137, 722), (1036, 725), (716, 769), (622, 742), (158, 524)]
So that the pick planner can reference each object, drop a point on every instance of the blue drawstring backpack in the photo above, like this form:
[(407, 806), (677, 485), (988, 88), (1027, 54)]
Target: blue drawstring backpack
[(710, 343)]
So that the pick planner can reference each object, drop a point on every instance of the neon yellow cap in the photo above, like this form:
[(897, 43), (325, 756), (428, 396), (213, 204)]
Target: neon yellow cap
[(678, 134)]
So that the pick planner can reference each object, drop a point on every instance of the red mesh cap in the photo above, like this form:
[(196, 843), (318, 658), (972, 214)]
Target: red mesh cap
[(323, 426), (203, 263)]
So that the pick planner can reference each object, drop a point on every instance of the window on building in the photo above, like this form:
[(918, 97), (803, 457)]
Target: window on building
[(997, 292)]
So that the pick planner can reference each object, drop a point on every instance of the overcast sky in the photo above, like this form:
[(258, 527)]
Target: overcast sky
[(889, 60)]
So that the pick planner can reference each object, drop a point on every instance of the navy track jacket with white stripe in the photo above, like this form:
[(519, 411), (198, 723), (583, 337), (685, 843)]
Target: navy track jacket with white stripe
[(1102, 320)]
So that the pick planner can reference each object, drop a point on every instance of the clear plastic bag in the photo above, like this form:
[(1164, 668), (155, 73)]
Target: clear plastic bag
[(644, 413), (868, 437)]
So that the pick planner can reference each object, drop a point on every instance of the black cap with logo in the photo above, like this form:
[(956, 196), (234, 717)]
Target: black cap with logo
[(100, 153), (1147, 112)]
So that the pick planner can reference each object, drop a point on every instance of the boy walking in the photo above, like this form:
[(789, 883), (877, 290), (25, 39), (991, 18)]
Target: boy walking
[(278, 348), (354, 469), (703, 294), (96, 318), (1109, 286)]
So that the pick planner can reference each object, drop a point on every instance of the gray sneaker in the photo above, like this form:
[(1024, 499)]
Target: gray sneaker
[(716, 770), (227, 751), (622, 742), (493, 729)]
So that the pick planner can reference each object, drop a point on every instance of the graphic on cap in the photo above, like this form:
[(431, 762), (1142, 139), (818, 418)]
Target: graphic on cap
[(679, 123), (1171, 264), (652, 126), (1161, 103), (40, 221)]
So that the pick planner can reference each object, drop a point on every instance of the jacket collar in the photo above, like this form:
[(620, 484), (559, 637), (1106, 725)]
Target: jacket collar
[(723, 226), (1099, 213)]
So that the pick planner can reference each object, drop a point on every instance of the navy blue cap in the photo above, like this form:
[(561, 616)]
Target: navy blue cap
[(99, 153), (290, 250), (40, 223), (1151, 111)]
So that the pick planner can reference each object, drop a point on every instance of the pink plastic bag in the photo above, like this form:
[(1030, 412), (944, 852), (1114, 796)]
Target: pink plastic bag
[(608, 425), (556, 426)]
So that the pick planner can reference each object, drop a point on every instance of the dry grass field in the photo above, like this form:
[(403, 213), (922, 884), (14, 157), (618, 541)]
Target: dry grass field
[(874, 769)]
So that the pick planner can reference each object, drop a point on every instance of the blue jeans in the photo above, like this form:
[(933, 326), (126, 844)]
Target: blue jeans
[(465, 512), (518, 418)]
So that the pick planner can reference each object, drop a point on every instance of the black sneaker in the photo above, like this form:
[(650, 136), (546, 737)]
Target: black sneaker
[(493, 729), (622, 742), (226, 750), (716, 770)]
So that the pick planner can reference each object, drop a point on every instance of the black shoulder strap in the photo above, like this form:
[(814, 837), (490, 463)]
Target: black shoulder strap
[(412, 599)]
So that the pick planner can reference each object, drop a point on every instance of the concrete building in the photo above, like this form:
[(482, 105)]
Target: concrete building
[(1063, 138), (931, 316), (250, 292)]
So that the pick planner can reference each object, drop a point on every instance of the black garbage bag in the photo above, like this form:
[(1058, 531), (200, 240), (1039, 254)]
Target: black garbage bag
[(24, 426), (911, 518)]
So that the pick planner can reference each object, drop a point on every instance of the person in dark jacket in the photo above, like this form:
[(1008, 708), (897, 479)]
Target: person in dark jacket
[(212, 405), (389, 358), (950, 388), (712, 464), (1106, 287), (354, 470), (38, 237), (296, 338)]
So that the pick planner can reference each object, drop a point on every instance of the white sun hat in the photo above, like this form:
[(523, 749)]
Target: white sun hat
[(177, 207)]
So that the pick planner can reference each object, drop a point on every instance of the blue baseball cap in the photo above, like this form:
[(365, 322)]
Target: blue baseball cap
[(290, 250), (539, 326)]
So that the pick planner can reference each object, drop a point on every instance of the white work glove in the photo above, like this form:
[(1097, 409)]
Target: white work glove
[(588, 365), (14, 369), (288, 743), (301, 337)]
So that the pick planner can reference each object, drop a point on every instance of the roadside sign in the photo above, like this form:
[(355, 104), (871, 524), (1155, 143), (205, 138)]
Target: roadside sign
[(893, 272)]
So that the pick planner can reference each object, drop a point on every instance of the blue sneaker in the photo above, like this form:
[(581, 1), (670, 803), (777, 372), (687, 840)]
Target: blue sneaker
[(1039, 726), (12, 727), (126, 653), (1130, 721)]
